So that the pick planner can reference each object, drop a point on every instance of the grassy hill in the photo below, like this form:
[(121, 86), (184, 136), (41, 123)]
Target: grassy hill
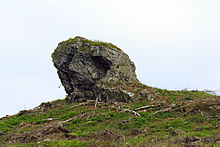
[(154, 117)]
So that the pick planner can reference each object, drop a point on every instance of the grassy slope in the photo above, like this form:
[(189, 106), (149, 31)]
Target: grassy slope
[(189, 113)]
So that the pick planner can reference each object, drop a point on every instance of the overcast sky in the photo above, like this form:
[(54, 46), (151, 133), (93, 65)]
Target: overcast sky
[(175, 44)]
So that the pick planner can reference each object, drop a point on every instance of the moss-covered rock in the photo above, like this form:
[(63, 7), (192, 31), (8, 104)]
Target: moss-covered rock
[(87, 69)]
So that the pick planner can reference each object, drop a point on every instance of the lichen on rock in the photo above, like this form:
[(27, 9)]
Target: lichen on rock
[(90, 69)]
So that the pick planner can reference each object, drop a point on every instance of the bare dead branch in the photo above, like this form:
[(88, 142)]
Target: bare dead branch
[(147, 107), (96, 101), (163, 110), (132, 111)]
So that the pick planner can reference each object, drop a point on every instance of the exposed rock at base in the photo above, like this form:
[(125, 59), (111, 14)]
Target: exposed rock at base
[(91, 69)]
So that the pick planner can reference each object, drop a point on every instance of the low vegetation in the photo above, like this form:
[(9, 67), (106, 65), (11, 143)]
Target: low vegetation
[(90, 43), (171, 118)]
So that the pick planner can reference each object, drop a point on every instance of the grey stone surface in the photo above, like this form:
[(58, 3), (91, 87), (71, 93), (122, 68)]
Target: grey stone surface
[(91, 69)]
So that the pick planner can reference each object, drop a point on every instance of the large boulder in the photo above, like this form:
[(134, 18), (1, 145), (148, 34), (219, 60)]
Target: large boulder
[(91, 69)]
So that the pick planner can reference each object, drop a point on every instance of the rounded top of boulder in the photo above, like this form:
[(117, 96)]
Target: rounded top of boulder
[(83, 65)]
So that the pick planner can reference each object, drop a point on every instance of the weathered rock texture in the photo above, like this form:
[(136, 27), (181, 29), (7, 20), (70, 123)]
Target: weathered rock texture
[(90, 69)]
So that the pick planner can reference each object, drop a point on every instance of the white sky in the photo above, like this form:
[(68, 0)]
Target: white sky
[(175, 44)]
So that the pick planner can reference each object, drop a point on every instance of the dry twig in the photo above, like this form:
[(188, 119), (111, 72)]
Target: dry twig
[(171, 109), (164, 110), (147, 107), (96, 101), (132, 111)]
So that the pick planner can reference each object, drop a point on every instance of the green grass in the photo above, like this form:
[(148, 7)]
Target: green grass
[(184, 93), (70, 41), (66, 143), (88, 120), (72, 143)]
